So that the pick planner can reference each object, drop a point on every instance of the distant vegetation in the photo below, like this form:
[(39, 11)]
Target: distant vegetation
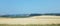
[(29, 15)]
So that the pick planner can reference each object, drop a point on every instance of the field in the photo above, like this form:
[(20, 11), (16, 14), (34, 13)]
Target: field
[(31, 21), (30, 25)]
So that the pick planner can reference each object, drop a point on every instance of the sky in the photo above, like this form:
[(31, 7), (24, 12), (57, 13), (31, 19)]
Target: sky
[(29, 6)]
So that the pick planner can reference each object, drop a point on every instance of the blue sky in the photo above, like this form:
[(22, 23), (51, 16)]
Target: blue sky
[(29, 6)]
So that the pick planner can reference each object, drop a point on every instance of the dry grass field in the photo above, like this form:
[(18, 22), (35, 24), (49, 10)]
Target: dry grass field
[(31, 20)]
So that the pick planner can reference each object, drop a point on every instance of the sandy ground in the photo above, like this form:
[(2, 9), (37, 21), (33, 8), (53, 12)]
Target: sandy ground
[(32, 20)]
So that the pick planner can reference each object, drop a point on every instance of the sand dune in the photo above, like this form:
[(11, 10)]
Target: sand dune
[(32, 20)]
